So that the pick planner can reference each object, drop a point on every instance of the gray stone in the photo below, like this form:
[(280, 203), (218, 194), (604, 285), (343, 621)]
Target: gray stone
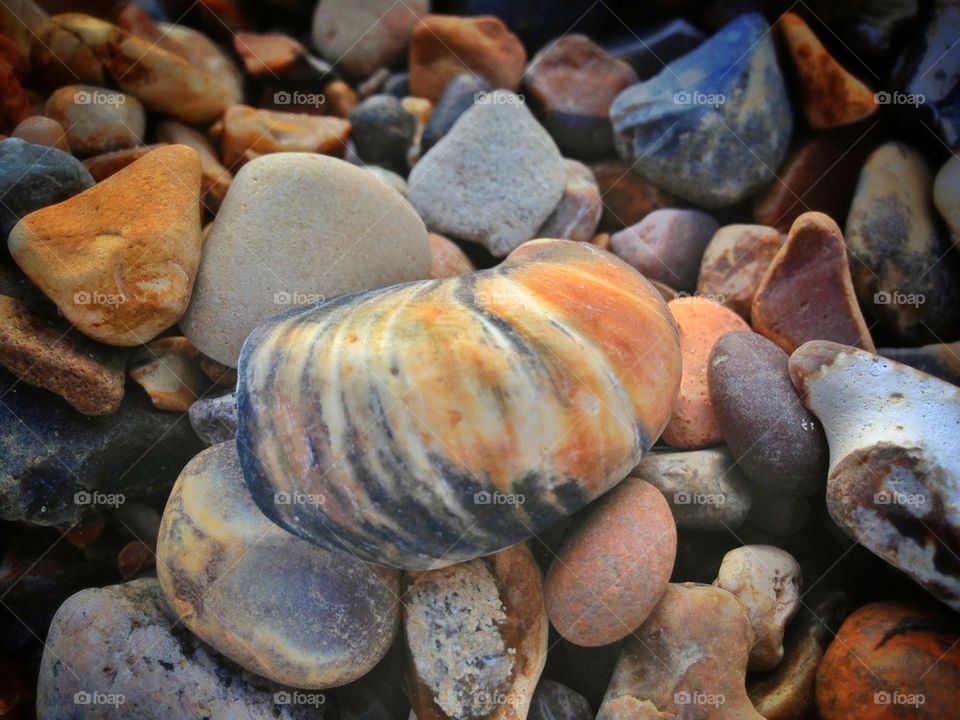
[(382, 132), (553, 701), (456, 99), (214, 419)]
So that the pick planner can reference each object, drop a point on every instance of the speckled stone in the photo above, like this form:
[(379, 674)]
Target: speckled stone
[(946, 196), (941, 360), (577, 215), (614, 568), (734, 262), (627, 197), (214, 419), (457, 97), (447, 258), (382, 132), (553, 701), (97, 120)]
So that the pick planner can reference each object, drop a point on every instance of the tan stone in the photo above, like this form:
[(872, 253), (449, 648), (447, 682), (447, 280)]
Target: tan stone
[(41, 130), (263, 132), (97, 120), (447, 259), (734, 262), (215, 179), (169, 370)]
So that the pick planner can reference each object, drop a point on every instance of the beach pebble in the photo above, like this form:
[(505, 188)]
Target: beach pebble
[(627, 197), (42, 130), (946, 196), (97, 120), (457, 97), (214, 419), (447, 259), (734, 261), (577, 215), (382, 132), (169, 370), (249, 133)]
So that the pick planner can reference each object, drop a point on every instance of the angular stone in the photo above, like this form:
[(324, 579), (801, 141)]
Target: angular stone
[(627, 197), (215, 179), (493, 179), (447, 258), (941, 360), (383, 132), (41, 130), (249, 133), (457, 97), (734, 262), (97, 120), (220, 562), (649, 51), (214, 419), (894, 482), (714, 125), (118, 268), (614, 567), (577, 215), (946, 196), (806, 293), (553, 701), (169, 370)]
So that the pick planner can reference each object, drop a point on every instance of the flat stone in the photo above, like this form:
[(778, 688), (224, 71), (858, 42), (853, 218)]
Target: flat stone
[(701, 322), (894, 482), (444, 46), (685, 127), (807, 293), (120, 269), (322, 226), (946, 196), (447, 258), (832, 96), (33, 177), (97, 120), (667, 245), (220, 562), (627, 197), (41, 130), (649, 50), (249, 133), (734, 262), (705, 488), (214, 419), (493, 179), (457, 97), (614, 567), (577, 215), (118, 649), (215, 179), (553, 701), (169, 370), (941, 360), (383, 132)]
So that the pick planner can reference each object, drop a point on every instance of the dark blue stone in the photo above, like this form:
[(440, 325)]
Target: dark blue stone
[(382, 132), (553, 701), (650, 50), (715, 124), (456, 99), (397, 85)]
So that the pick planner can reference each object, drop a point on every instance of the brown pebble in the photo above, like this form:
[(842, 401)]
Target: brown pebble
[(249, 133), (41, 130), (169, 370), (734, 262), (627, 197), (447, 259)]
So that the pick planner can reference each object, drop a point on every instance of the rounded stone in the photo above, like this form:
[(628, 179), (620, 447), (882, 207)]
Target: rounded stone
[(42, 130), (734, 262), (448, 258), (97, 120), (457, 97), (296, 229), (578, 213), (614, 568), (250, 132), (553, 701), (382, 132)]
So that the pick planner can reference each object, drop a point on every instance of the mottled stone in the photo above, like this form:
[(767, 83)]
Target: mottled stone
[(118, 268), (577, 215), (215, 179), (946, 196), (614, 568), (689, 659), (705, 488), (97, 119), (941, 360), (553, 701), (494, 178), (713, 126), (627, 197), (701, 323), (447, 258), (574, 81), (648, 51), (667, 245), (906, 287), (118, 651), (41, 130), (249, 133), (457, 97), (169, 370), (444, 46), (734, 262), (892, 660), (832, 96), (277, 605), (214, 419), (382, 132), (894, 482)]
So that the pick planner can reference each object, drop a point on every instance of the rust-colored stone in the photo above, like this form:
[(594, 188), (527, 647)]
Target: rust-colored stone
[(627, 197), (249, 133)]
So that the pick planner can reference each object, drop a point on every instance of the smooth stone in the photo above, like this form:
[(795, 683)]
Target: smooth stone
[(767, 581), (249, 133), (97, 120), (205, 55), (946, 196), (119, 650), (457, 97), (277, 605), (267, 54), (214, 419), (689, 659), (574, 81), (493, 179), (484, 378), (302, 215), (776, 441), (894, 458), (169, 370), (215, 179), (941, 360), (705, 488), (41, 130), (577, 215), (613, 569), (650, 50), (553, 701), (382, 132), (42, 350), (447, 259), (906, 287), (807, 292), (627, 197), (476, 635), (388, 178), (340, 98), (119, 269), (360, 36), (702, 323), (734, 261), (35, 176), (667, 245), (832, 96), (899, 659), (693, 149), (444, 46), (60, 466)]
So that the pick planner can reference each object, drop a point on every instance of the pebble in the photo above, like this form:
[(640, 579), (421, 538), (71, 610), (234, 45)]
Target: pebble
[(506, 396), (33, 177), (553, 701), (41, 130), (899, 659), (340, 98), (277, 605), (941, 360), (388, 178), (444, 46), (614, 567), (683, 128), (214, 419), (701, 322), (120, 269), (476, 634), (906, 288), (249, 133), (946, 196), (273, 54), (119, 650), (832, 96), (300, 215), (215, 179), (361, 36), (97, 120), (687, 660), (383, 132), (447, 259), (667, 245), (169, 370), (807, 292), (577, 215), (734, 261), (205, 55), (706, 489), (627, 197), (767, 581), (574, 81), (457, 97), (493, 179), (103, 166), (649, 51), (894, 458), (14, 104)]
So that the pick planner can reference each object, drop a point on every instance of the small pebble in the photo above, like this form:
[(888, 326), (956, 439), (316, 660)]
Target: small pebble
[(447, 258), (214, 419), (383, 132), (97, 120), (734, 261), (627, 197), (457, 97), (42, 130), (577, 215), (249, 133), (169, 370)]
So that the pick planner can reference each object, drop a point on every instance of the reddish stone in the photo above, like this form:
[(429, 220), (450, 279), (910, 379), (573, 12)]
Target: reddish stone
[(41, 130), (268, 54), (734, 263), (447, 259), (249, 132), (627, 197), (103, 166)]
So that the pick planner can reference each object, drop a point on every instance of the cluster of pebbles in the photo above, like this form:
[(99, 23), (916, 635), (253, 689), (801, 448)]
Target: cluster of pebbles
[(479, 360)]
